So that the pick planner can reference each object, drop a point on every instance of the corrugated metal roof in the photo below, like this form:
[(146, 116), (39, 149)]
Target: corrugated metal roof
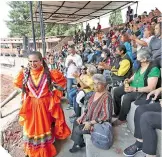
[(73, 12)]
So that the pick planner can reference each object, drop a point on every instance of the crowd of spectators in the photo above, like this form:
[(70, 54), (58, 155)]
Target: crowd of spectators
[(126, 62)]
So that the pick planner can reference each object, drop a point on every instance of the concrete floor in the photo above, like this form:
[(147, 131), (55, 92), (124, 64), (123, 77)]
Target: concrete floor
[(64, 146), (122, 139)]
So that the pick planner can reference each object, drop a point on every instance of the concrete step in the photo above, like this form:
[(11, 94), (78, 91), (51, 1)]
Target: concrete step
[(130, 120), (122, 139)]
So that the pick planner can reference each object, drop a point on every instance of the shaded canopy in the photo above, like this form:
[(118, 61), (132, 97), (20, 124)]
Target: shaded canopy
[(73, 12)]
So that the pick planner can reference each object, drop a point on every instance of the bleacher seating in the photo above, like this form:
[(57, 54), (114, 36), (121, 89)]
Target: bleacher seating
[(130, 120)]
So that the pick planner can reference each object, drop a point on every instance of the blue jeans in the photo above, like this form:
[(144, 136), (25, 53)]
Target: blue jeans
[(90, 58), (72, 94), (70, 82)]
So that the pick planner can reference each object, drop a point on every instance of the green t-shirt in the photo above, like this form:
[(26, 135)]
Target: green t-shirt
[(138, 80)]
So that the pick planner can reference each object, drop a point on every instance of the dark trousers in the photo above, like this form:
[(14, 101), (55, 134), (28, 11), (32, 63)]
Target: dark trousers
[(77, 109), (148, 118), (122, 108), (77, 133)]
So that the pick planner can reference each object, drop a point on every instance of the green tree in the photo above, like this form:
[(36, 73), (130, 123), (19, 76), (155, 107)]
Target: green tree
[(18, 14), (116, 18), (19, 26), (61, 29)]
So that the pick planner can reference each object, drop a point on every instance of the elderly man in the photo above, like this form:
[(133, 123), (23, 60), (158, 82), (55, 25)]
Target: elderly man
[(73, 63)]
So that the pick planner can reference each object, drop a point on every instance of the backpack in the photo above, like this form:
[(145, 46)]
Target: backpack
[(102, 135)]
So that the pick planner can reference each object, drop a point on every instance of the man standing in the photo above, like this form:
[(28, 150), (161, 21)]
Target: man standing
[(129, 15), (73, 63), (98, 27)]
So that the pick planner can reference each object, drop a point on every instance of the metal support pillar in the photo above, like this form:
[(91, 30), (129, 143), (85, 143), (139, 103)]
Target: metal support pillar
[(33, 31), (42, 28), (137, 7), (114, 19)]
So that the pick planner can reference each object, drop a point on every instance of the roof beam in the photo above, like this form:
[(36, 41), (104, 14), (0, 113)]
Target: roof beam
[(66, 14), (78, 10), (57, 9), (120, 6), (96, 11), (110, 11), (69, 7), (62, 17)]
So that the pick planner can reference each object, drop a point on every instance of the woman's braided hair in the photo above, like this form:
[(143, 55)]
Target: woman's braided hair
[(46, 71)]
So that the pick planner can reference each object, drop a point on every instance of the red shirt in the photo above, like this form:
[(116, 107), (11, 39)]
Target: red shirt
[(91, 39), (98, 27)]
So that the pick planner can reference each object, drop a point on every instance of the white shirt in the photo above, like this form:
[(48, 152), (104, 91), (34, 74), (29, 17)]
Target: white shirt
[(95, 39), (104, 47), (73, 68), (147, 40)]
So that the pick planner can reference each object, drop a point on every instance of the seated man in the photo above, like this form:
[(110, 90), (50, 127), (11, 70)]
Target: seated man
[(99, 109), (95, 57), (122, 67), (155, 44), (145, 79), (147, 118)]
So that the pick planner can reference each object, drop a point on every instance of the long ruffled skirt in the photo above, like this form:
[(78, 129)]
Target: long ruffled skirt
[(42, 120)]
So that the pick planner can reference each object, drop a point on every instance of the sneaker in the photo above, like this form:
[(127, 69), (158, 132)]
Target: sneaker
[(132, 150), (74, 149), (82, 145)]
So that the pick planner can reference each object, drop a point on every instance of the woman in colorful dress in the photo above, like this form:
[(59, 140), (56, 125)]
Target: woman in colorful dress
[(41, 114)]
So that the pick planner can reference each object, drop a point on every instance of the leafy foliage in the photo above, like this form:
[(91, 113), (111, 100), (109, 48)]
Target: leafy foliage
[(19, 26), (116, 18)]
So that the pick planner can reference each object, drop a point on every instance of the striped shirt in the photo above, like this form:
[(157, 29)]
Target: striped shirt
[(99, 110)]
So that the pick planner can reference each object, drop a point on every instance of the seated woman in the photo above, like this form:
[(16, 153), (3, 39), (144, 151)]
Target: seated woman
[(145, 41), (143, 81), (147, 118), (105, 59), (86, 86), (127, 42), (75, 89), (99, 109), (122, 67)]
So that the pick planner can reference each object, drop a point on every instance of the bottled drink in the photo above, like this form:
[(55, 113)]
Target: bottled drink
[(126, 84)]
